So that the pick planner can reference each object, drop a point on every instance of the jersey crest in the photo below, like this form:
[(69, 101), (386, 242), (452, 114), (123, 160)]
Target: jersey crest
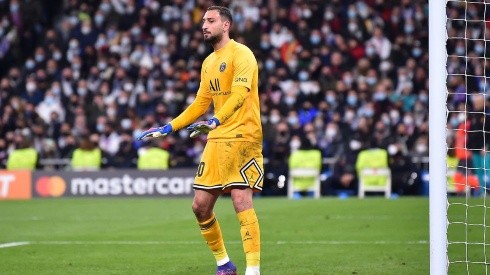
[(222, 67)]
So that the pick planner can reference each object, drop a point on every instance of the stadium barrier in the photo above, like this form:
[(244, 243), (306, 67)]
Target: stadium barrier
[(21, 185)]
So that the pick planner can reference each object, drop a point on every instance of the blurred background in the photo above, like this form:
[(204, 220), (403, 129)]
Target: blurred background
[(335, 76)]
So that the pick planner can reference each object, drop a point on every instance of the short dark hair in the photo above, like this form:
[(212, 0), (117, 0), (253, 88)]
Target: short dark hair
[(223, 12)]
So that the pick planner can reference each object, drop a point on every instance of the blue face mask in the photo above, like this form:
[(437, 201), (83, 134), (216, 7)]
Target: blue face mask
[(379, 96), (351, 13), (105, 7), (368, 112), (99, 19), (270, 65), (371, 81), (460, 50), (331, 99), (14, 8), (370, 51), (303, 76), (352, 100), (292, 120), (49, 100), (315, 39), (417, 52), (289, 100), (264, 45), (454, 122), (479, 49), (100, 127), (136, 31), (30, 64), (409, 29)]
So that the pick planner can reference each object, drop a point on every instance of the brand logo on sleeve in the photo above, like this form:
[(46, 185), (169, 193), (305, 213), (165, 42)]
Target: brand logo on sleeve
[(240, 79)]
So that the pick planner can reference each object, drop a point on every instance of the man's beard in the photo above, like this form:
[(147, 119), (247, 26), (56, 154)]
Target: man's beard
[(214, 39)]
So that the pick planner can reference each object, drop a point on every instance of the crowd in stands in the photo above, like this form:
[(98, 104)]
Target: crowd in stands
[(345, 75)]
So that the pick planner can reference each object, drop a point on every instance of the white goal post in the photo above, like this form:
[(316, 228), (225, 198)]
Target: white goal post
[(437, 137)]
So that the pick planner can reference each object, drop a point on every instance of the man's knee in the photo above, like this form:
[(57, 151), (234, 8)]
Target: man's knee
[(242, 199), (203, 204), (201, 210)]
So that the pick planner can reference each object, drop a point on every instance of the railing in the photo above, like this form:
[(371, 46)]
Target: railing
[(422, 163)]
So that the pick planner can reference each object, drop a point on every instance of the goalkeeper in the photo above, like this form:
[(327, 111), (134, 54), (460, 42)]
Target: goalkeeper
[(232, 159)]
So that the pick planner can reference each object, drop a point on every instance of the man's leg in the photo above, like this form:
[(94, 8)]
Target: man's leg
[(202, 207), (249, 228)]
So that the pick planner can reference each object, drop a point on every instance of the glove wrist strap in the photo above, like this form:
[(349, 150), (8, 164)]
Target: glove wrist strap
[(215, 120)]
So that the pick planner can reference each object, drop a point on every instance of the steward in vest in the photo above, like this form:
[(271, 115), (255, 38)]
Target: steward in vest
[(153, 157), (24, 157), (87, 157)]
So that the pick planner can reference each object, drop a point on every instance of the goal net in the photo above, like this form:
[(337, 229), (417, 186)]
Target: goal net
[(468, 250)]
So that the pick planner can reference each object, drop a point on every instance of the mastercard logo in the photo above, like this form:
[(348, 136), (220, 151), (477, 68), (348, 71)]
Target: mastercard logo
[(54, 186)]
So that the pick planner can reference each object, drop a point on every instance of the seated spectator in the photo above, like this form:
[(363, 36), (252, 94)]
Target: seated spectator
[(49, 105), (127, 156)]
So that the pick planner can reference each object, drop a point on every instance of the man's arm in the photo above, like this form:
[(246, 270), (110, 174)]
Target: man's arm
[(190, 114), (197, 108), (244, 69), (233, 103)]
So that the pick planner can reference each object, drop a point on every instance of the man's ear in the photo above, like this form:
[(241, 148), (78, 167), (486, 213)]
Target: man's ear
[(227, 26)]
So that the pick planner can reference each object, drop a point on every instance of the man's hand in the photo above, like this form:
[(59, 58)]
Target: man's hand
[(203, 127), (156, 132)]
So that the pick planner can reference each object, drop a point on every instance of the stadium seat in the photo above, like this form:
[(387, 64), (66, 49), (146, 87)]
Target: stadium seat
[(304, 173), (373, 171)]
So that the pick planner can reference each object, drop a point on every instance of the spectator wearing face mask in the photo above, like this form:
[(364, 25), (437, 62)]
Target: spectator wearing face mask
[(49, 105), (32, 93), (127, 156), (342, 179), (101, 58)]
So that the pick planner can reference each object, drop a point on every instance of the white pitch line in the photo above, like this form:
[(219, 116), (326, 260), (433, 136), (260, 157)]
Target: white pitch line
[(6, 245), (311, 242)]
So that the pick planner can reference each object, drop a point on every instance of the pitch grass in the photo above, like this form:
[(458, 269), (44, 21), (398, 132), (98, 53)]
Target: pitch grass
[(160, 236)]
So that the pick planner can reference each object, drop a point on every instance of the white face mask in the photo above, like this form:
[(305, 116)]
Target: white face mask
[(392, 149), (189, 99), (126, 124), (408, 120), (461, 117), (330, 133), (355, 145), (31, 86), (274, 119), (349, 116), (86, 29), (111, 112), (295, 144), (421, 148), (82, 91), (289, 100), (394, 116)]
